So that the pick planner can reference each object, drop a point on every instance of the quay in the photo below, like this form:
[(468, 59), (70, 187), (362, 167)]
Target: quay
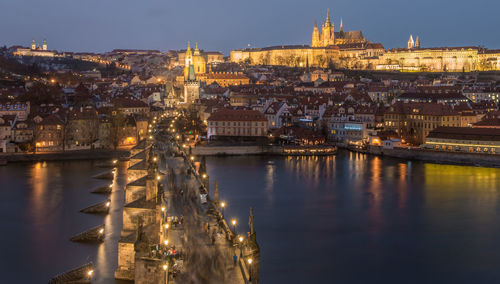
[(271, 150), (173, 228), (418, 154)]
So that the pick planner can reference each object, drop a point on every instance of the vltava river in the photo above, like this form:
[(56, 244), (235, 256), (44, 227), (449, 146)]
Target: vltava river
[(39, 213), (346, 219), (362, 219)]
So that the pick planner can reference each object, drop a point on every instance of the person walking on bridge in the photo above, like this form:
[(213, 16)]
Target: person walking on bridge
[(235, 258)]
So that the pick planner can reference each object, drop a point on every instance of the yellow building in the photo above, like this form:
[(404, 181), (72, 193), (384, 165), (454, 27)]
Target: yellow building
[(287, 55), (195, 59), (440, 59)]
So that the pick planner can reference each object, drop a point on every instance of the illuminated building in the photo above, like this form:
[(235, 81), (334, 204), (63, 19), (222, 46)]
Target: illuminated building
[(40, 51), (413, 121), (464, 139), (228, 122)]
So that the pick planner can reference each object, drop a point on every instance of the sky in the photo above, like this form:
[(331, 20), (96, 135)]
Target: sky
[(224, 25)]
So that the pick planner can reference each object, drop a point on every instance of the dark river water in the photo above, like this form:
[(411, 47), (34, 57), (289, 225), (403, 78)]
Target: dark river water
[(345, 219)]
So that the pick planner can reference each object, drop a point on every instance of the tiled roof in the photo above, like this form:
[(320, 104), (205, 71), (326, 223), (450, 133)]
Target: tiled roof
[(466, 133)]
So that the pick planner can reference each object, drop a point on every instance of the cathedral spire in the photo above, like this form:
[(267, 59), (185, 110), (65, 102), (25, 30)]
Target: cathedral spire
[(328, 16), (341, 25)]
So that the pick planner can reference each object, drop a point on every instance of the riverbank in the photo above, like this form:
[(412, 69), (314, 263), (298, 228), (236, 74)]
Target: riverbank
[(264, 150), (459, 158), (66, 155)]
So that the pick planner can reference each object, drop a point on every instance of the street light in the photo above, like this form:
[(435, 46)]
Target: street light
[(250, 270), (222, 205), (90, 273), (166, 242), (158, 177), (165, 268), (204, 176), (233, 221)]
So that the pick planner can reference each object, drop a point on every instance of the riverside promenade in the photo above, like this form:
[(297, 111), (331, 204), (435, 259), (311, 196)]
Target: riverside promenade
[(173, 230)]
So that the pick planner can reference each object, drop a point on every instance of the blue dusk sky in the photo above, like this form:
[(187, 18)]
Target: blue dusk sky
[(223, 25)]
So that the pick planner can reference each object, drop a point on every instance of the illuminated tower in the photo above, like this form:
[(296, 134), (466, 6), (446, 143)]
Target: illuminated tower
[(33, 45), (191, 87), (328, 31), (188, 61), (341, 26), (44, 45), (315, 36), (411, 43), (417, 43)]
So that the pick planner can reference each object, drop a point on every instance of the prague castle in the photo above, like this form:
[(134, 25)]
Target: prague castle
[(351, 50), (327, 46)]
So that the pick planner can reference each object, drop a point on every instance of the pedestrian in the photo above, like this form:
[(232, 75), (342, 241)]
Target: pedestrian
[(235, 258)]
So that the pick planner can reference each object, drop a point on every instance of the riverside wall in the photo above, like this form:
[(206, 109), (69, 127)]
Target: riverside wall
[(66, 155), (486, 160), (233, 150)]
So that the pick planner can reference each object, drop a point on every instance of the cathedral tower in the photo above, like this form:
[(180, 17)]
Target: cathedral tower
[(33, 45), (417, 43), (315, 36), (328, 31), (44, 45)]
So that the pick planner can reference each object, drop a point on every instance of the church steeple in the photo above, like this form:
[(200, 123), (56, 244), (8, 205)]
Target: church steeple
[(196, 50), (411, 42), (44, 45), (417, 43), (328, 16), (188, 51), (341, 25), (33, 45)]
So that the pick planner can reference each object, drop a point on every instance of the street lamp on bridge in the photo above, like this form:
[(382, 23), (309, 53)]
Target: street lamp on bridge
[(233, 221)]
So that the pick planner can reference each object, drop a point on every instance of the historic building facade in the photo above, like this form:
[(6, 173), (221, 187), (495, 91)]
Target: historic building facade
[(328, 36), (351, 50)]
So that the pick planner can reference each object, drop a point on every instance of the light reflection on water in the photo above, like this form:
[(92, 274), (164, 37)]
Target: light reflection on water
[(356, 218), (39, 209)]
